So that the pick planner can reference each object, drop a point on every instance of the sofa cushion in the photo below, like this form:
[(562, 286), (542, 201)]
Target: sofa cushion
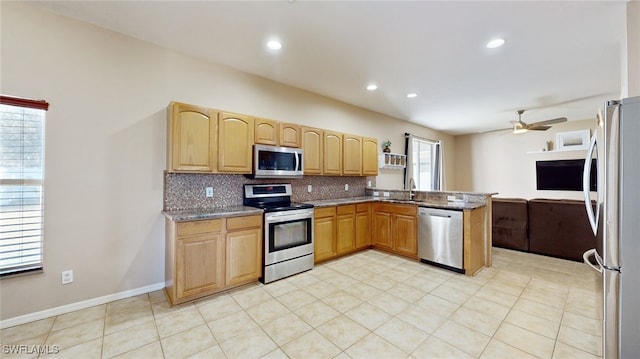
[(559, 228), (509, 223)]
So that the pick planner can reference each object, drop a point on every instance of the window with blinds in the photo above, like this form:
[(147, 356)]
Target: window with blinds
[(21, 184)]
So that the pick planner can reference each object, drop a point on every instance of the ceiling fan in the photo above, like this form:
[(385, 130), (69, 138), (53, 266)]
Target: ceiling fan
[(522, 127)]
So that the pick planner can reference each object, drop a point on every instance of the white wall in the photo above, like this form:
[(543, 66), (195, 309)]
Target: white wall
[(631, 52), (105, 145), (500, 162)]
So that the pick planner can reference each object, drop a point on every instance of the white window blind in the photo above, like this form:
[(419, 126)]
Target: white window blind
[(21, 184)]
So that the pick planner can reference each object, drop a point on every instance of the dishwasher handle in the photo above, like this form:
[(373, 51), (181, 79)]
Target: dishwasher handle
[(439, 215)]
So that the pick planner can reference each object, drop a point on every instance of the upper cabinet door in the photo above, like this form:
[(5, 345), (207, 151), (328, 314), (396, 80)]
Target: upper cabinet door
[(332, 164), (312, 146), (369, 156), (266, 131), (191, 140), (289, 135), (235, 142), (352, 156)]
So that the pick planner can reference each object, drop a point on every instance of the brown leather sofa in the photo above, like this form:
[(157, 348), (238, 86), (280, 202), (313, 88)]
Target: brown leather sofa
[(559, 228), (510, 220), (552, 227)]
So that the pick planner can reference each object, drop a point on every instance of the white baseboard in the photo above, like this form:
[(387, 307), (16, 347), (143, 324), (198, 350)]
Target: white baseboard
[(78, 305)]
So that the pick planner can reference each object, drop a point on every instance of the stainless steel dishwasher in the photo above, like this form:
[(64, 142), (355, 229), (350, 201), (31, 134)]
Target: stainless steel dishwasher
[(440, 237)]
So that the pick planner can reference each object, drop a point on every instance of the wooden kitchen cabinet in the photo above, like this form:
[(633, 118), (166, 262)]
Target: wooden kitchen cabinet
[(195, 259), (266, 131), (208, 141), (274, 133), (405, 234), (324, 233), (312, 140), (382, 232), (213, 141), (289, 135), (396, 228), (352, 155), (363, 226), (191, 138), (332, 153), (207, 256), (369, 156), (243, 249), (235, 143), (346, 229)]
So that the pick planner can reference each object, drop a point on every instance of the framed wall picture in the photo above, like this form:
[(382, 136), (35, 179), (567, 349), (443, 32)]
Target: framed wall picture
[(572, 140)]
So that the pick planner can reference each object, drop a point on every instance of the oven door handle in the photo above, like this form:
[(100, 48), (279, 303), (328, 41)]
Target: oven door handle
[(281, 217)]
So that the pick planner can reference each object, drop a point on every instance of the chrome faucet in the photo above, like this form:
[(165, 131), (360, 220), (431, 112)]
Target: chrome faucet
[(412, 186)]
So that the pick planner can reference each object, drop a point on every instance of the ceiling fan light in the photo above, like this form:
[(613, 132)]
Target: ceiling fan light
[(518, 129)]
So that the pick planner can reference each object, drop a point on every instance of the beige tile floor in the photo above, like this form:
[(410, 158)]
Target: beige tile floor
[(367, 305)]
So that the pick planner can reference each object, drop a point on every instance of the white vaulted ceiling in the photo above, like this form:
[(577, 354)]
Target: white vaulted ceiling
[(560, 58)]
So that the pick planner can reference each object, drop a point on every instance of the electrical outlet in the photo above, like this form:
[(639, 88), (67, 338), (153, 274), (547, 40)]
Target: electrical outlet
[(376, 193), (346, 186), (209, 192), (369, 184), (67, 276), (385, 194), (309, 188)]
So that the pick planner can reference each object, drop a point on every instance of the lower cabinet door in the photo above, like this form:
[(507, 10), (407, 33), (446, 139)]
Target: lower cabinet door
[(363, 228), (382, 235), (244, 256), (346, 234), (199, 264), (405, 235), (324, 245)]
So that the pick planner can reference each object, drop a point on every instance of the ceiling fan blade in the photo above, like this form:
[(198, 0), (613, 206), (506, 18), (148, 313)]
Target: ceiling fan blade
[(549, 122), (538, 128)]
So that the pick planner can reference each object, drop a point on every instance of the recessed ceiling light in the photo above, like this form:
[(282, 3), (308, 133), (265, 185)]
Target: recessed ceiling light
[(274, 45), (495, 43), (412, 95), (372, 87)]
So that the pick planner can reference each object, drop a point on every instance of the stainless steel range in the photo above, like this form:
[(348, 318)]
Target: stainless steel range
[(288, 230)]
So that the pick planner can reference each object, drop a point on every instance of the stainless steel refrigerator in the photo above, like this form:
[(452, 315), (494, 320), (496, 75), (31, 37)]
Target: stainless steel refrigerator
[(616, 224)]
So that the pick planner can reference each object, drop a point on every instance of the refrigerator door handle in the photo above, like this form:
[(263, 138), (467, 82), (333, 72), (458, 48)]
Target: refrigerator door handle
[(592, 253), (586, 186)]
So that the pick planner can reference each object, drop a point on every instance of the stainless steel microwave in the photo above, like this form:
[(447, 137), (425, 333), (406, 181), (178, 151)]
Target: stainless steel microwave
[(277, 162)]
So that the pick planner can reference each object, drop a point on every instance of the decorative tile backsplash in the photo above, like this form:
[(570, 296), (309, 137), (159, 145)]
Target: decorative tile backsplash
[(187, 190)]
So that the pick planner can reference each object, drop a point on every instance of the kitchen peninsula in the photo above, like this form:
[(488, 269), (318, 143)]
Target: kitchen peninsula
[(392, 223)]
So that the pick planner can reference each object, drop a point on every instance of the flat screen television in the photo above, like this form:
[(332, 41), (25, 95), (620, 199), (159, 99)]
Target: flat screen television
[(563, 175)]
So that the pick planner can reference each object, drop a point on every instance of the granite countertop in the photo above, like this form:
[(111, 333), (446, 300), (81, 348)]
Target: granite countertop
[(341, 201), (236, 211), (211, 213), (457, 205)]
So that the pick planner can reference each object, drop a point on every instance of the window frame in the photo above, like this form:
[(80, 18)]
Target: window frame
[(435, 175), (33, 267)]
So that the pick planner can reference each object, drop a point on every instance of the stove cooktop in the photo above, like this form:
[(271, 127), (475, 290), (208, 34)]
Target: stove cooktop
[(281, 206), (271, 197)]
